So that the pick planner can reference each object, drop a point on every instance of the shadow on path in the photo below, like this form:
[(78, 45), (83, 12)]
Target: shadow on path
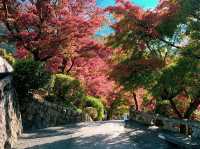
[(99, 135)]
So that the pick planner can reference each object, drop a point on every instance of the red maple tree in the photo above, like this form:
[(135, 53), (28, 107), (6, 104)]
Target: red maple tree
[(50, 31), (60, 34), (92, 67)]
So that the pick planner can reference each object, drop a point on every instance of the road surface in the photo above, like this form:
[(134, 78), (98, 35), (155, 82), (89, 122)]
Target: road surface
[(97, 135)]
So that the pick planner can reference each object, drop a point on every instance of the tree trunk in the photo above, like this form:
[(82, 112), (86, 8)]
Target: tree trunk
[(173, 105), (135, 101), (183, 128), (109, 114)]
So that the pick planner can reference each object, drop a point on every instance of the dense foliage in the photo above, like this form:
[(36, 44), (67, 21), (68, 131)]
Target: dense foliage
[(60, 34), (93, 67), (180, 81), (50, 31), (160, 53), (29, 75), (67, 89)]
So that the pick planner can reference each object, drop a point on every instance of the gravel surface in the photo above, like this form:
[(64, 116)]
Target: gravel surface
[(97, 135)]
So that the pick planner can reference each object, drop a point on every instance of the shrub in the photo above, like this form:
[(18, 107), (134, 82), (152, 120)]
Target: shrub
[(68, 89), (7, 56), (29, 75), (97, 104)]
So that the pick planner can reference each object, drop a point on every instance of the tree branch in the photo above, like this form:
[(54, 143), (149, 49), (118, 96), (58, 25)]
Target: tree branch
[(135, 100), (70, 68), (170, 44)]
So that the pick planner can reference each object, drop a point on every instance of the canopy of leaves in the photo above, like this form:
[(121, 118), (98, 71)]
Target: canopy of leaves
[(50, 31), (159, 49), (182, 76)]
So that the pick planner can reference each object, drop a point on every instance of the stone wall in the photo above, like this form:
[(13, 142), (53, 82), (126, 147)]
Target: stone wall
[(37, 115), (10, 119), (171, 124)]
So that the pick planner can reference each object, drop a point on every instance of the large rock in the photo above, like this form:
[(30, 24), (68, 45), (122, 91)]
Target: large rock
[(10, 119), (92, 112)]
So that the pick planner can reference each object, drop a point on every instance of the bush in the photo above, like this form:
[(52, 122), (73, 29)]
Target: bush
[(97, 104), (68, 89), (29, 75), (7, 56)]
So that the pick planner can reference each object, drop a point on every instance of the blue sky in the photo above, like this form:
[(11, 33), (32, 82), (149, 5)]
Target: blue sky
[(146, 4)]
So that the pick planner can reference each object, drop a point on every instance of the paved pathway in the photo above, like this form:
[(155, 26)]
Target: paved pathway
[(98, 135)]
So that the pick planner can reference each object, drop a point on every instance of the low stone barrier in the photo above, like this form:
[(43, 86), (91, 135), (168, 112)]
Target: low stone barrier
[(171, 124), (37, 115)]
